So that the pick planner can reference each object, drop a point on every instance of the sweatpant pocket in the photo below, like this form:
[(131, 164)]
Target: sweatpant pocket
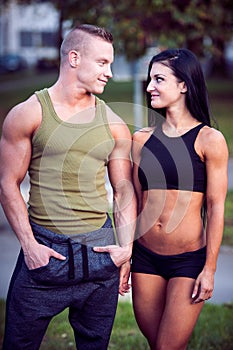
[(61, 272), (100, 265)]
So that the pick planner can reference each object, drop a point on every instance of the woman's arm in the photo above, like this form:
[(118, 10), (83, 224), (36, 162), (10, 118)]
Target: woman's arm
[(139, 139), (215, 153)]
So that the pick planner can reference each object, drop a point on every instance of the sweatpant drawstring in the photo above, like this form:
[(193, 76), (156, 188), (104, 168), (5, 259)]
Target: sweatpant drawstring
[(85, 262), (71, 260)]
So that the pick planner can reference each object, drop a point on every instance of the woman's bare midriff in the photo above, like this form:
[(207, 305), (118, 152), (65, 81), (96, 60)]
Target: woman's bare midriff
[(170, 221)]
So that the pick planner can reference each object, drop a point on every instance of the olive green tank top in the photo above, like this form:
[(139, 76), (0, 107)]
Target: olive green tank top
[(68, 171)]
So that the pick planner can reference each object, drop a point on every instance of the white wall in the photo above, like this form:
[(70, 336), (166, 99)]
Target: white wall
[(34, 18)]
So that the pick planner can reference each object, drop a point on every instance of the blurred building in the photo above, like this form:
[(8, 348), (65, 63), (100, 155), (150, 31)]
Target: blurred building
[(29, 30)]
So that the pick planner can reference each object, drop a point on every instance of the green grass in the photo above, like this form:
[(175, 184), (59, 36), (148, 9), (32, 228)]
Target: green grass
[(228, 228), (221, 102), (214, 329), (22, 85), (212, 332)]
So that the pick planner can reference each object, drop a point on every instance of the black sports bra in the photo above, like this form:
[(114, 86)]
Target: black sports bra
[(172, 162)]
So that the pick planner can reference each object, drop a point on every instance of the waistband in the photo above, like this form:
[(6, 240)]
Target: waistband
[(161, 256), (100, 236), (103, 236)]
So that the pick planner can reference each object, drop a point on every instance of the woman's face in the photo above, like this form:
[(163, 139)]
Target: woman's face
[(164, 88)]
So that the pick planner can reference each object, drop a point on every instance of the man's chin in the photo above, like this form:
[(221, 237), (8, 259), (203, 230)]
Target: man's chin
[(99, 91)]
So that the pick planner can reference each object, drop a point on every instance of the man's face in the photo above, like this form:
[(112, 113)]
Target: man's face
[(94, 68)]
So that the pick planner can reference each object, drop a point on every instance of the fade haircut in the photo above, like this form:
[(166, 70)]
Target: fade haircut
[(76, 38)]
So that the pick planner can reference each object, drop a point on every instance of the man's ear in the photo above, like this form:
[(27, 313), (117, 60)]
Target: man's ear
[(74, 58), (183, 89)]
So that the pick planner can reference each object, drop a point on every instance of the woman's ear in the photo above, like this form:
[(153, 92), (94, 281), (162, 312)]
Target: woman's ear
[(74, 58), (183, 88)]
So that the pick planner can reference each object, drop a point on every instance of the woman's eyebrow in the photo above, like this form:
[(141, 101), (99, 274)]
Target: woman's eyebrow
[(158, 74)]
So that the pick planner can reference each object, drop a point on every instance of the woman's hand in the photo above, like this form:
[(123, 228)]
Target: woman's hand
[(204, 286), (124, 286)]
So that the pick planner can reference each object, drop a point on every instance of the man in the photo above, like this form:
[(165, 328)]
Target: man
[(65, 137)]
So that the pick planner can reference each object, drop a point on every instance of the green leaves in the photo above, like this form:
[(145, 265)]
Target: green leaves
[(138, 24)]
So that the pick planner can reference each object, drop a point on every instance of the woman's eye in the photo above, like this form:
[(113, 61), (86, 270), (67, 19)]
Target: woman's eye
[(159, 79)]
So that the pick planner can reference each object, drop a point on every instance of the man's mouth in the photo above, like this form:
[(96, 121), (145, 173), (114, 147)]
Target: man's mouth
[(103, 81)]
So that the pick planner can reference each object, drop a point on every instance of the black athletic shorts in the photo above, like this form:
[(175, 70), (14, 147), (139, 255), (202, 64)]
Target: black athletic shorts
[(188, 264)]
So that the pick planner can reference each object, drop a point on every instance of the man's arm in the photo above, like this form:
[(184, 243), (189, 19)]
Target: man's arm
[(15, 155), (124, 199)]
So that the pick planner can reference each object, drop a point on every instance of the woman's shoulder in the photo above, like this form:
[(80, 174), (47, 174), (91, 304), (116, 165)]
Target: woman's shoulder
[(142, 135), (212, 141), (211, 134), (139, 139)]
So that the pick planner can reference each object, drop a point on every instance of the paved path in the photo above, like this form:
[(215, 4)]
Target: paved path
[(9, 248), (230, 175)]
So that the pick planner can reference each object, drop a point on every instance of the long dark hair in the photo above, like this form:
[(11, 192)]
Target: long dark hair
[(187, 68)]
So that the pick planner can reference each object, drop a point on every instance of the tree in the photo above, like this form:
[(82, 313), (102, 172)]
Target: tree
[(204, 26)]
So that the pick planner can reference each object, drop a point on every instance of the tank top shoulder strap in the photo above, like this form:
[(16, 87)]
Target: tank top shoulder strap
[(192, 134), (41, 95), (102, 115), (47, 106), (44, 99), (101, 111)]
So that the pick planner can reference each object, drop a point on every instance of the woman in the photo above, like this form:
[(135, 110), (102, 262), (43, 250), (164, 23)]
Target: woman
[(180, 167)]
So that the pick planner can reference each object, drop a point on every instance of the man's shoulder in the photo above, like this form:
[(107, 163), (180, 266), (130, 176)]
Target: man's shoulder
[(26, 106), (26, 114), (112, 116), (117, 125)]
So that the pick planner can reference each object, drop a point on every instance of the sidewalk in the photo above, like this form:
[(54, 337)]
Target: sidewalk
[(230, 174), (9, 248)]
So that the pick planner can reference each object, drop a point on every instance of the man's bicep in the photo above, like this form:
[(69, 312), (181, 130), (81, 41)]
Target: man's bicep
[(15, 151), (119, 166), (120, 172)]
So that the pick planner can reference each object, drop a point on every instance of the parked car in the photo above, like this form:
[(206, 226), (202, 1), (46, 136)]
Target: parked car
[(12, 63), (229, 58), (46, 64)]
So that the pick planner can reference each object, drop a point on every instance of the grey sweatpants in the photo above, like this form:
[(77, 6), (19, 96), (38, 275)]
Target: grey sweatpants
[(86, 282)]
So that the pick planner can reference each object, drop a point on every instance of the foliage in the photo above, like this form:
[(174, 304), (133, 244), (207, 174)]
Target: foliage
[(221, 102), (142, 23), (212, 332)]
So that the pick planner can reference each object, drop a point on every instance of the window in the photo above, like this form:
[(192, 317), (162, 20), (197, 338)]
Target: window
[(38, 39), (26, 39), (49, 39)]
